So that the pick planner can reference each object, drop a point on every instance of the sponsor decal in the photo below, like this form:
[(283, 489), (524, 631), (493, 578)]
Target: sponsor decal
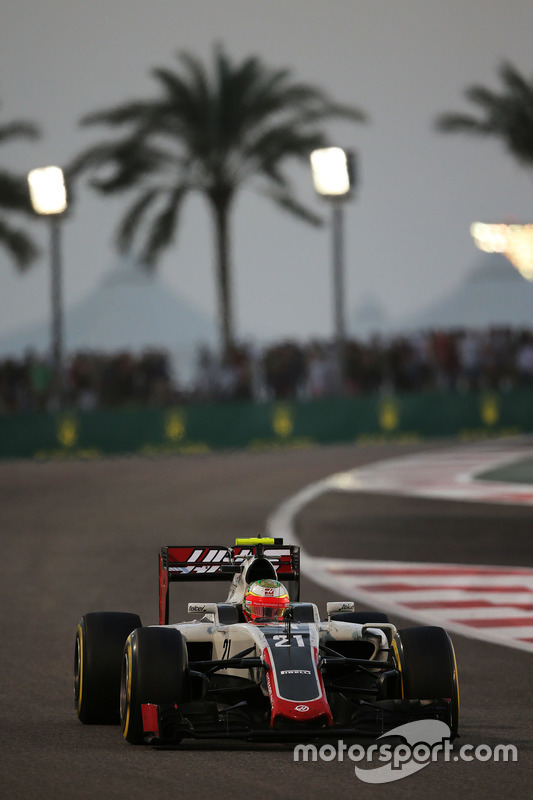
[(283, 421), (175, 422), (301, 708), (389, 414), (190, 560), (68, 430), (295, 672)]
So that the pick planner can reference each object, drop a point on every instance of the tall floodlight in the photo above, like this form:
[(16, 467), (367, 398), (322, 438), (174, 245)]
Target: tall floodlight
[(333, 179), (49, 198)]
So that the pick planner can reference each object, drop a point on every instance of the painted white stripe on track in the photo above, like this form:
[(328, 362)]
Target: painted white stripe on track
[(449, 475)]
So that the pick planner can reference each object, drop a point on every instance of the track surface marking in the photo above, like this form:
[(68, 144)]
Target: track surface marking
[(494, 604)]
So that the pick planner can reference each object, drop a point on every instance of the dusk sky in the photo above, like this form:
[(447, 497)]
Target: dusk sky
[(402, 61)]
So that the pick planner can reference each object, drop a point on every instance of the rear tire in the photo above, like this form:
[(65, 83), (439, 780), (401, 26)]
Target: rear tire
[(426, 659), (100, 638), (154, 670)]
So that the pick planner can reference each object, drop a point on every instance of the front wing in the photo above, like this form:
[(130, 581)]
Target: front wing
[(167, 725)]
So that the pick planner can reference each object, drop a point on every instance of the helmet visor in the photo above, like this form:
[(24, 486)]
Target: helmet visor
[(258, 611)]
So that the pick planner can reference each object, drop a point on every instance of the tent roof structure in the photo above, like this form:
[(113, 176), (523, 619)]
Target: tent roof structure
[(493, 294), (131, 309)]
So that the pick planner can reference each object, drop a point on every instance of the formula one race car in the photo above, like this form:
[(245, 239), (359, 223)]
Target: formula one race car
[(262, 664)]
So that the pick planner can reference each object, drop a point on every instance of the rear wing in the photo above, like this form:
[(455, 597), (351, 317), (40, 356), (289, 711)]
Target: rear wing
[(215, 563)]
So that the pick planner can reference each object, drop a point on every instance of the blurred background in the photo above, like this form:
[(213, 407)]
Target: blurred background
[(408, 246)]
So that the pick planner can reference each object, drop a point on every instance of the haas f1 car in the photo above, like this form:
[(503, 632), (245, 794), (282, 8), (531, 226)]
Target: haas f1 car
[(261, 665)]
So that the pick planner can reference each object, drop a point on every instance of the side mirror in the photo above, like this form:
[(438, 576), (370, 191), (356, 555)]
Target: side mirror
[(339, 606)]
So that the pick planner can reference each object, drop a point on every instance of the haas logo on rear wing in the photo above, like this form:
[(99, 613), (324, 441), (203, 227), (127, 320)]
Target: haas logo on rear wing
[(207, 563), (198, 560), (204, 561)]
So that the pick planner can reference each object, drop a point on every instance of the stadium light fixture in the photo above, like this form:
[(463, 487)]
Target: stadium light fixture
[(48, 196), (333, 171)]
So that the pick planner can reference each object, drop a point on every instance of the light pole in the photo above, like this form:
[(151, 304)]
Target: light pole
[(333, 179), (49, 198)]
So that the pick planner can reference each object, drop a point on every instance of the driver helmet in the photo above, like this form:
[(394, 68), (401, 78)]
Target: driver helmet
[(265, 599)]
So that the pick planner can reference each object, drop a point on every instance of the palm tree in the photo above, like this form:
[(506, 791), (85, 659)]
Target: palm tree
[(212, 131), (15, 198), (507, 116)]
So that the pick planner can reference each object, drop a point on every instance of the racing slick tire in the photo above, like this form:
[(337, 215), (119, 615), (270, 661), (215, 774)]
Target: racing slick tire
[(428, 669), (154, 670), (100, 639)]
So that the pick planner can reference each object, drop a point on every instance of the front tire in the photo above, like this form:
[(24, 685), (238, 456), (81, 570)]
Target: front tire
[(100, 638), (428, 670), (154, 670)]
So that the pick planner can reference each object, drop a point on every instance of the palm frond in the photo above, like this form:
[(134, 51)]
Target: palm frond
[(462, 123), (15, 198), (130, 160), (91, 158), (288, 202), (163, 227), (278, 144), (133, 218), (131, 112), (19, 245), (516, 83), (507, 115), (483, 97), (18, 130), (185, 111), (14, 193)]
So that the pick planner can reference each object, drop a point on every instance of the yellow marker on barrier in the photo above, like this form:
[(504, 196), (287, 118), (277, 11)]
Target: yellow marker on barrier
[(254, 541)]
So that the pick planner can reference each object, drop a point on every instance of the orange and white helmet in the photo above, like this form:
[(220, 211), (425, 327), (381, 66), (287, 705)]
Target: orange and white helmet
[(265, 599)]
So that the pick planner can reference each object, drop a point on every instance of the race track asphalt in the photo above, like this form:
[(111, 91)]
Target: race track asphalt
[(84, 536)]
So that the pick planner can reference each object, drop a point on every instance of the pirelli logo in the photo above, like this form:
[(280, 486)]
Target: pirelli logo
[(295, 672)]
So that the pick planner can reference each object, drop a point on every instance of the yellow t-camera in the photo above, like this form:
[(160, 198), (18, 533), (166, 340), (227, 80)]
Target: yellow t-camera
[(254, 541)]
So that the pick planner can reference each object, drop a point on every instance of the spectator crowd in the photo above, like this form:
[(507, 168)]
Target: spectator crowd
[(454, 361)]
